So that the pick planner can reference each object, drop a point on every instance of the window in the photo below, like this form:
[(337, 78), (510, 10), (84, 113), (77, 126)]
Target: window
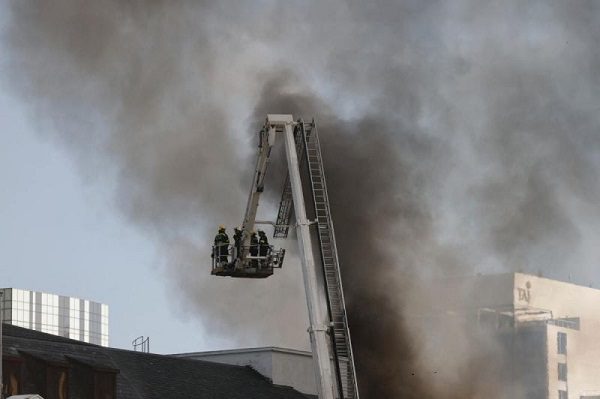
[(561, 339), (11, 377), (562, 371), (105, 387), (57, 383), (562, 395)]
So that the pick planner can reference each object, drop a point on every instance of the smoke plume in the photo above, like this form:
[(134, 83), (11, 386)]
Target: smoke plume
[(458, 137)]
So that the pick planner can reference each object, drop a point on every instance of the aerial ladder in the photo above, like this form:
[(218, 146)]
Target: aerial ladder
[(305, 196)]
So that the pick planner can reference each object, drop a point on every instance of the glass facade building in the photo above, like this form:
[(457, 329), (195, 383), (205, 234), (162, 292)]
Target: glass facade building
[(65, 316)]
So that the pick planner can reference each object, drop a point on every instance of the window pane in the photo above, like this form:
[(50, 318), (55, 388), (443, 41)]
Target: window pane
[(562, 343), (562, 371)]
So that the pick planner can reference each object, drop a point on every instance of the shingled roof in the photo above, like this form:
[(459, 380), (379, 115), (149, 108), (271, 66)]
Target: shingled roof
[(144, 375)]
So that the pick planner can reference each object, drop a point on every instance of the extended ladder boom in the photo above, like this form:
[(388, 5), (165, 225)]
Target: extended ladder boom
[(340, 333), (315, 207), (305, 196)]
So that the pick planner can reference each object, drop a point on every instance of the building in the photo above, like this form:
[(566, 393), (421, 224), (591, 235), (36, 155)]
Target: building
[(67, 317), (281, 366), (61, 368), (502, 336), (537, 337)]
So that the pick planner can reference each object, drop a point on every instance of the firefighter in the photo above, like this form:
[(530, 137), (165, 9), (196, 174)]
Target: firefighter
[(254, 248), (237, 239), (263, 243), (222, 246)]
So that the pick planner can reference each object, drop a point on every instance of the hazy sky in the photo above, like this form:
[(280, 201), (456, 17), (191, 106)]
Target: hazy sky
[(60, 234)]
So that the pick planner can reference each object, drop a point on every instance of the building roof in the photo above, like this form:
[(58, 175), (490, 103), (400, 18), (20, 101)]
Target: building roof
[(144, 375), (247, 350)]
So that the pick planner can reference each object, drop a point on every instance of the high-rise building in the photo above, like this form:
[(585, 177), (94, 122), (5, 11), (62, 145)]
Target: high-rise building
[(68, 317)]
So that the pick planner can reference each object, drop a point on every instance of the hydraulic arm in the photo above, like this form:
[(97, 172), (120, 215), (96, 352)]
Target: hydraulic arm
[(247, 258)]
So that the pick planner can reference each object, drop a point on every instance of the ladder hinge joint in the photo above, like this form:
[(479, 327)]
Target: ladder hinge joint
[(312, 329)]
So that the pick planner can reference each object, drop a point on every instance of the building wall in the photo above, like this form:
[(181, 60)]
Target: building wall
[(529, 353), (285, 367), (565, 300), (68, 317), (295, 370), (554, 359)]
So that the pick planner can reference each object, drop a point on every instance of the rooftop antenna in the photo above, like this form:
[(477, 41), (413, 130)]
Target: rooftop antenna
[(141, 344)]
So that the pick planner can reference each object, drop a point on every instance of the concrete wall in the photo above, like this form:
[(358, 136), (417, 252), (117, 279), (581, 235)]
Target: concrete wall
[(295, 370)]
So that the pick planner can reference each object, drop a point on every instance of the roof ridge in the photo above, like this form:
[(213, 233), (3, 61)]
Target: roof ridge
[(251, 349), (179, 358)]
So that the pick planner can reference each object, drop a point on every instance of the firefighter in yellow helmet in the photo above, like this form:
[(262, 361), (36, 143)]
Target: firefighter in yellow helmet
[(222, 246)]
